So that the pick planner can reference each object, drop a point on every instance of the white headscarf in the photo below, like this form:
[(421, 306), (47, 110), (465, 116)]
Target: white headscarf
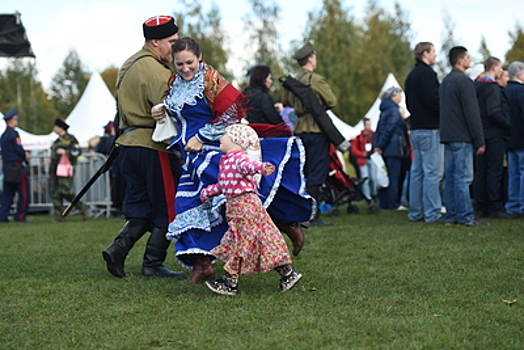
[(246, 137)]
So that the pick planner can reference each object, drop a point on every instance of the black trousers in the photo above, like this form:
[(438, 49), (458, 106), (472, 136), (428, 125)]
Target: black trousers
[(316, 169), (489, 177)]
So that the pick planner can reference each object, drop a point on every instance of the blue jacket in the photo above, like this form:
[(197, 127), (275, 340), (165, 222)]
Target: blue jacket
[(12, 150), (391, 132)]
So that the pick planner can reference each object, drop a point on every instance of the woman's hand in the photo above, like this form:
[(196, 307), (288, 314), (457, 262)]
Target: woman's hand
[(193, 145), (158, 112)]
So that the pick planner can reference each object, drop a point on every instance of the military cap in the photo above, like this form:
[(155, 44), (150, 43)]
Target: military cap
[(159, 27), (61, 123), (11, 114), (304, 51)]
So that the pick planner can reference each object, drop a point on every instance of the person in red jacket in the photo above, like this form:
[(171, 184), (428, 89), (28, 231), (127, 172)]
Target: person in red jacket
[(361, 149)]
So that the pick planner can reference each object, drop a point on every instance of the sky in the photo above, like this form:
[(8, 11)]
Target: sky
[(106, 32)]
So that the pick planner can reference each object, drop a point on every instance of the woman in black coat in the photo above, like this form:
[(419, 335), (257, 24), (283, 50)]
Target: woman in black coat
[(261, 105)]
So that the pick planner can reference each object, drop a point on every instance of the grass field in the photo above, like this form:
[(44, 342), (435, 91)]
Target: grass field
[(370, 282)]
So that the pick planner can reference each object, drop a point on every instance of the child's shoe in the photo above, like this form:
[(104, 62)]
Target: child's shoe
[(221, 286), (287, 282)]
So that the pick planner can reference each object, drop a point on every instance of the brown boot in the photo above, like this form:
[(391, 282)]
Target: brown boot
[(202, 270), (295, 233)]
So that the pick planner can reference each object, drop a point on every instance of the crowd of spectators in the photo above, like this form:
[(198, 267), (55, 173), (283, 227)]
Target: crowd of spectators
[(465, 141)]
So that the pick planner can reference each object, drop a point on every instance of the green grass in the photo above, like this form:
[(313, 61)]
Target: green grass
[(370, 282)]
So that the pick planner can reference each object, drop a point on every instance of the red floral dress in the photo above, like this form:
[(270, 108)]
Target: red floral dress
[(253, 243)]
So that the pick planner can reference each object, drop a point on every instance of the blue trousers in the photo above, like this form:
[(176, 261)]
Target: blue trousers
[(515, 204), (458, 158), (427, 171)]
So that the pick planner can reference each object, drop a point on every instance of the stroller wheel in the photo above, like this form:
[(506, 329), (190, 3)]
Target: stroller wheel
[(373, 210), (334, 211), (352, 209)]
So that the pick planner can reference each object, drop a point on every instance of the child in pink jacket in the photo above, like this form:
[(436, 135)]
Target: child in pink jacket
[(253, 242)]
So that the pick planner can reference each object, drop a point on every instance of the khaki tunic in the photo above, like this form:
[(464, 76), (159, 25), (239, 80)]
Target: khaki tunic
[(326, 97), (142, 87)]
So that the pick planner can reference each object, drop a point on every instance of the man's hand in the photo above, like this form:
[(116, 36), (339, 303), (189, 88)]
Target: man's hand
[(481, 150), (158, 112)]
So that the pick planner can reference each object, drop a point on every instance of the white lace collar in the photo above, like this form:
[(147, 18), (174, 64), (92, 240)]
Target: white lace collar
[(185, 92)]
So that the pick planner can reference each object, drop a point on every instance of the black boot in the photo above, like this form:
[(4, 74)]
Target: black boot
[(156, 251), (116, 253)]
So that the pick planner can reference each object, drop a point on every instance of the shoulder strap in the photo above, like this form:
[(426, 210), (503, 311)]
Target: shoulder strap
[(128, 68), (310, 77)]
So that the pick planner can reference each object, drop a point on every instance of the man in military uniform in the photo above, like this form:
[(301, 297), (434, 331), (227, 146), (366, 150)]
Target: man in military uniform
[(151, 173), (65, 150), (315, 141), (14, 158)]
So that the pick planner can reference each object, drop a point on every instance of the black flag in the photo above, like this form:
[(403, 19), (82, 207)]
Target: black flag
[(13, 39)]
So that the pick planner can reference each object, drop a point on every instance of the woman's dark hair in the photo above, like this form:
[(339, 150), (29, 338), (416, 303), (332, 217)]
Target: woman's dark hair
[(188, 44), (259, 75)]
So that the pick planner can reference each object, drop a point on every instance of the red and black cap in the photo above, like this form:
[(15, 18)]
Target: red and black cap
[(159, 27)]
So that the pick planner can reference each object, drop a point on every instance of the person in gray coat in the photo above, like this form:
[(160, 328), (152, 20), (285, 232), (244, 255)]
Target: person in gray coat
[(462, 135)]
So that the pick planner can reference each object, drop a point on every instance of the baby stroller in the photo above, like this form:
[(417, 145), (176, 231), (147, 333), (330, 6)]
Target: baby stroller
[(341, 189)]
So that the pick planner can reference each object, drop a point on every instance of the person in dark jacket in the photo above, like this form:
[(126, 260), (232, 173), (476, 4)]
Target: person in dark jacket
[(117, 182), (64, 155), (462, 135), (515, 94), (261, 105), (427, 169), (494, 112), (391, 142), (14, 156)]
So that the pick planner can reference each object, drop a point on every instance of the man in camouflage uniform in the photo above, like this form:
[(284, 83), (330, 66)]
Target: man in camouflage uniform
[(65, 144), (315, 141)]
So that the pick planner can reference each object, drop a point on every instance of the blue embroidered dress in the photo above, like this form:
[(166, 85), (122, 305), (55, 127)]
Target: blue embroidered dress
[(197, 227)]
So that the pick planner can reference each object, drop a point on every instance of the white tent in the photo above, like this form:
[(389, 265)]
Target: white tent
[(350, 132), (374, 112), (94, 110), (35, 142)]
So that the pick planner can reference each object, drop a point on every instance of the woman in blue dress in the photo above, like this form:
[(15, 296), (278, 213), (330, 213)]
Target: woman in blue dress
[(203, 104)]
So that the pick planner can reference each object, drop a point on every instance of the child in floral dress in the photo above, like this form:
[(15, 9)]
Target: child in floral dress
[(253, 242)]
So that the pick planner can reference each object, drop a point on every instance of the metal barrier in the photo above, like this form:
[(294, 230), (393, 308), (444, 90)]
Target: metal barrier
[(97, 198)]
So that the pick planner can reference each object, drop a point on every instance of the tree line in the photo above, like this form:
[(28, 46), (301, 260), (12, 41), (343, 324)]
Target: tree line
[(355, 56)]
